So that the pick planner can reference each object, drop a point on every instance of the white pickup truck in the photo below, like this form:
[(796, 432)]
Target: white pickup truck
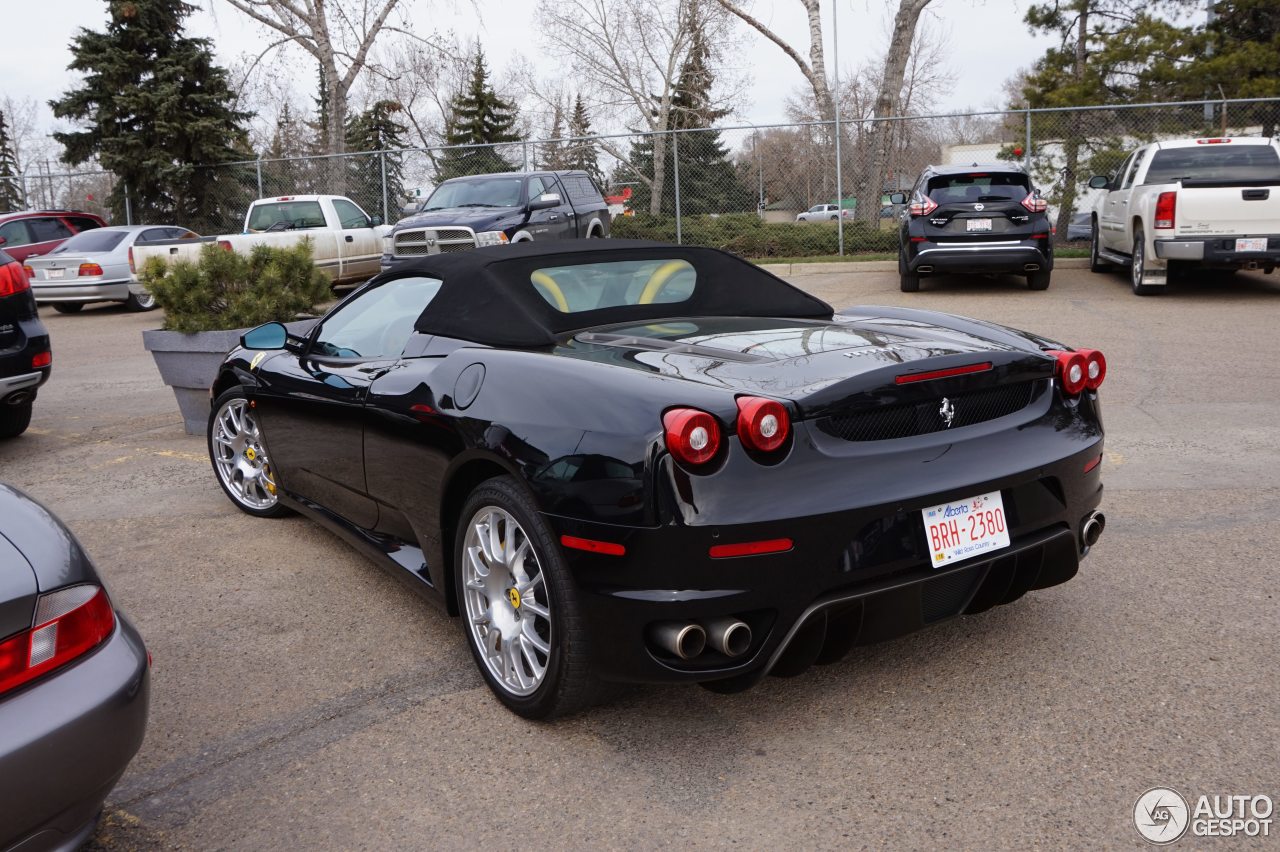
[(346, 242), (1189, 204)]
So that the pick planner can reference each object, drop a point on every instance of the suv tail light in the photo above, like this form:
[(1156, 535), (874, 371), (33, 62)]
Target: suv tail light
[(13, 279), (692, 436), (763, 424), (1035, 203), (1166, 207), (69, 623), (1072, 371), (922, 208)]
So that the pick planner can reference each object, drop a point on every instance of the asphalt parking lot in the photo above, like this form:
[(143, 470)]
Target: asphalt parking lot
[(303, 698)]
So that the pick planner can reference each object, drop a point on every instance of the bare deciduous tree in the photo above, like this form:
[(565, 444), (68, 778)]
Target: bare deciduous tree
[(339, 34), (815, 69)]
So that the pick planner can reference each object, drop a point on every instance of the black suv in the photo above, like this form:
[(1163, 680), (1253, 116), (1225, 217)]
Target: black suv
[(24, 349), (974, 219)]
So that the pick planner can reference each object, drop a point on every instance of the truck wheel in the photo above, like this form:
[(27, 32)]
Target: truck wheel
[(68, 307), (14, 419), (1139, 266), (1096, 263), (1038, 280)]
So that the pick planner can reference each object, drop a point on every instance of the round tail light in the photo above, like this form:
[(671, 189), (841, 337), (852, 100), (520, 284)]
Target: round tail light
[(1073, 371), (763, 424), (692, 436), (1095, 368)]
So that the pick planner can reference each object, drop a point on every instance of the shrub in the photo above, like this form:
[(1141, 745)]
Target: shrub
[(225, 290), (747, 235)]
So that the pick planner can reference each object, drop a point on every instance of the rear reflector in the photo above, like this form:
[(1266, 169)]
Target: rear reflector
[(909, 378), (1166, 207), (13, 279), (751, 548), (1092, 463), (68, 624), (41, 359), (608, 548)]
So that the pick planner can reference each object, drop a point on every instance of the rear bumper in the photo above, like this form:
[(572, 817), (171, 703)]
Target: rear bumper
[(1218, 251), (105, 291), (66, 741), (1008, 257), (9, 384)]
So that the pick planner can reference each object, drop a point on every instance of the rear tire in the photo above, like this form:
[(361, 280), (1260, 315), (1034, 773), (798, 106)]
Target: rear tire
[(68, 307), (1038, 280), (504, 636), (1139, 265), (908, 281), (14, 419), (138, 304), (1096, 263)]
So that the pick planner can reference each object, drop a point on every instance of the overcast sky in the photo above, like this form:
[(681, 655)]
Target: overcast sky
[(988, 43)]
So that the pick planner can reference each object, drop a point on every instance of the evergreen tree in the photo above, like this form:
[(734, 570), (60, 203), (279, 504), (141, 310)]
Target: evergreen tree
[(552, 152), (282, 172), (318, 127), (581, 152), (708, 181), (10, 187), (376, 129), (153, 107), (1237, 54), (477, 116)]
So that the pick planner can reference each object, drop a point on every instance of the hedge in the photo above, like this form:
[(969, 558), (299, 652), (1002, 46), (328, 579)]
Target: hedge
[(747, 235)]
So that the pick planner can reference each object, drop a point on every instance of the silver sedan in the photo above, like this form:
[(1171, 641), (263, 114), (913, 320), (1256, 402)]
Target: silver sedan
[(97, 266)]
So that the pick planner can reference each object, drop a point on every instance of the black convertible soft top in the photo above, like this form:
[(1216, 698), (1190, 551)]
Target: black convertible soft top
[(487, 296)]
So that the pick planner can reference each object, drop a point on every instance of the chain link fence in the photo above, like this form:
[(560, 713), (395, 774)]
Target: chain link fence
[(761, 191)]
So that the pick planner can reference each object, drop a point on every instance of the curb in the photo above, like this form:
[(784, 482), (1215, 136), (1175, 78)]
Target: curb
[(788, 270)]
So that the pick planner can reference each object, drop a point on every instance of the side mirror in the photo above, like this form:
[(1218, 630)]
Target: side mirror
[(545, 201), (272, 335), (1099, 182), (898, 198), (375, 221)]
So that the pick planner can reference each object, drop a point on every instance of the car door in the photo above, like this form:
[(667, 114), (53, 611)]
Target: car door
[(541, 224), (16, 239), (357, 242), (311, 406), (565, 226), (1110, 220)]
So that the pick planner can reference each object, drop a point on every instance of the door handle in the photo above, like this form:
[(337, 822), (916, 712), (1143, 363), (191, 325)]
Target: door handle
[(554, 216), (1255, 194), (350, 238)]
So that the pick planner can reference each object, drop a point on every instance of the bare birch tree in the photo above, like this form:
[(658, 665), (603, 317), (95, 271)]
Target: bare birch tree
[(339, 34), (815, 68)]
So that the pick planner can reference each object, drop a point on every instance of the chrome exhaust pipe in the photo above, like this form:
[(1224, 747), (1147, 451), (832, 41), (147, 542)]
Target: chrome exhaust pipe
[(1031, 267), (1092, 529), (729, 636), (685, 641), (20, 398)]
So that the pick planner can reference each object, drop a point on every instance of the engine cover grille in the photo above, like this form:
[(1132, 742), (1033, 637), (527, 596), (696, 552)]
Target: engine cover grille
[(420, 241), (922, 418)]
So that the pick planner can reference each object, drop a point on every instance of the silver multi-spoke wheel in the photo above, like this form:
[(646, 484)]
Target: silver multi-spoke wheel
[(240, 455), (508, 607)]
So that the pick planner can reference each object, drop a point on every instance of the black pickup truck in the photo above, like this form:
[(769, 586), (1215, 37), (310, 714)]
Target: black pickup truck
[(493, 209), (24, 348)]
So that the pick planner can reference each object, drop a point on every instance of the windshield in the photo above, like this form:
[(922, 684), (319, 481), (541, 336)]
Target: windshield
[(92, 241), (494, 192), (1222, 161), (591, 286), (978, 186)]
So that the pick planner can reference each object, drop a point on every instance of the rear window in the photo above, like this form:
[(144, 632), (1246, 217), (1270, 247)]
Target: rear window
[(580, 188), (592, 286), (978, 186), (1223, 161), (287, 215), (95, 240)]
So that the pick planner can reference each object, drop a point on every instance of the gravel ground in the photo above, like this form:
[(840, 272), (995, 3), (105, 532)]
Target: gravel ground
[(303, 698)]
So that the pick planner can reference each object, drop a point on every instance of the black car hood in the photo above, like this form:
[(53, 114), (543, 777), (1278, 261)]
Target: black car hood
[(478, 218), (816, 363)]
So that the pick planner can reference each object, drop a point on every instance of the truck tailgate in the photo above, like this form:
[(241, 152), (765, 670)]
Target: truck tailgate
[(1227, 210)]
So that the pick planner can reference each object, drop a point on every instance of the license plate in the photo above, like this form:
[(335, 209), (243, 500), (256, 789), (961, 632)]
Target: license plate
[(965, 528), (1252, 244), (978, 224), (54, 273)]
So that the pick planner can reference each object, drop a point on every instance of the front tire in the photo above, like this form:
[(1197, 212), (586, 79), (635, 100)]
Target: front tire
[(519, 606), (138, 304), (1138, 268), (238, 453), (908, 281), (14, 419), (68, 307)]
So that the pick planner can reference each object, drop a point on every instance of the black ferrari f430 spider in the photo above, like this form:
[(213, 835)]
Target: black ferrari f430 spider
[(635, 462)]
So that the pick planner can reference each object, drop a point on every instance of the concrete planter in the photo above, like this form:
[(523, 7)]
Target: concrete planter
[(188, 363)]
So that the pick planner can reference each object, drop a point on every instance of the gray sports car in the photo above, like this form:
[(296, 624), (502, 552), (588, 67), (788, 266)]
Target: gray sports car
[(74, 683), (97, 266)]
